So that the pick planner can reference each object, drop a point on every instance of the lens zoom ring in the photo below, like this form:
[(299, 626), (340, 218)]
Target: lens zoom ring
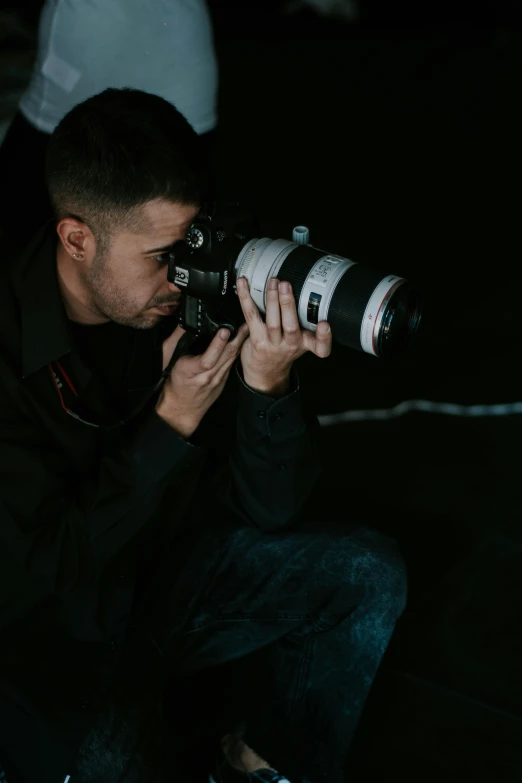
[(349, 301), (296, 267)]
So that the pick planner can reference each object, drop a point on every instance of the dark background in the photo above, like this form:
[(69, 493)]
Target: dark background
[(396, 140)]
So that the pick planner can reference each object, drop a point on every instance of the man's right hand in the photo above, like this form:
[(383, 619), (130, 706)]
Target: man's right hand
[(196, 382)]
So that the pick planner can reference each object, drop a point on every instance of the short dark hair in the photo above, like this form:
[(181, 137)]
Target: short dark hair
[(118, 150)]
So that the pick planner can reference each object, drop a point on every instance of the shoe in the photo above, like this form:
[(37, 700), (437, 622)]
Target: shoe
[(225, 773)]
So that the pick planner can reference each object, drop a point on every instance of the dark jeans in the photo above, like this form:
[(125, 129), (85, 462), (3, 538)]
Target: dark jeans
[(322, 599)]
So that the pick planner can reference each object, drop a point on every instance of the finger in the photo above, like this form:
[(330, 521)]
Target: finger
[(289, 317), (242, 334), (249, 307), (320, 342), (231, 351), (169, 345), (221, 347), (234, 346), (209, 359), (273, 312), (223, 371)]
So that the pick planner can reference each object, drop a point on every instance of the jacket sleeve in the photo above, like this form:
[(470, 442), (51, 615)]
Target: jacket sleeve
[(63, 535), (273, 457)]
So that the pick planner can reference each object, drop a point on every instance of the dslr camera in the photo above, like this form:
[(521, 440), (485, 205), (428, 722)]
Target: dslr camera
[(367, 309)]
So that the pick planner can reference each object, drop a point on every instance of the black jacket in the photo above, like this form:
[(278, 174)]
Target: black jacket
[(82, 509)]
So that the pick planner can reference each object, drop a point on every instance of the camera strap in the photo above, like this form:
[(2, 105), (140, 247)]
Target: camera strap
[(69, 397), (72, 404)]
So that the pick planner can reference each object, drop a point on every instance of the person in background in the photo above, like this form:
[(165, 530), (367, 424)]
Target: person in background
[(164, 47)]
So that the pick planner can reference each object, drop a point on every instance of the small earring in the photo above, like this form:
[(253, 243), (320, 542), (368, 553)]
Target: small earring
[(76, 255)]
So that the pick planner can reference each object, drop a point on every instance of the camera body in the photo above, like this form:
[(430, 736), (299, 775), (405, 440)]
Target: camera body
[(203, 268)]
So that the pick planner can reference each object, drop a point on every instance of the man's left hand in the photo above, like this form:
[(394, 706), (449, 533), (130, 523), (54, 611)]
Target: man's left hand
[(273, 346)]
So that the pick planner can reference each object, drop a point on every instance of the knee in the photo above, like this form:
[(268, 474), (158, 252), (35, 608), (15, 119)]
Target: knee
[(372, 563), (388, 575)]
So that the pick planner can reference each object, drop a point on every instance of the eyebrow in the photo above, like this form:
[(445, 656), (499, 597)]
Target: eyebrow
[(159, 249)]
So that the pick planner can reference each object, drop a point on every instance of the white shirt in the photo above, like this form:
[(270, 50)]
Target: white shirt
[(164, 47)]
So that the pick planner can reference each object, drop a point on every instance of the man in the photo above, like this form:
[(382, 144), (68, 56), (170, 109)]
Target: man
[(137, 548)]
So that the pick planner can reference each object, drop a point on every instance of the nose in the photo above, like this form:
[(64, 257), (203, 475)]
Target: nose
[(173, 289)]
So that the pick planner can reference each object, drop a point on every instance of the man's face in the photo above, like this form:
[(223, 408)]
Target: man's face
[(128, 282)]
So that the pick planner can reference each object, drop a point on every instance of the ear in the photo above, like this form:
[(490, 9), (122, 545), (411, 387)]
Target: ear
[(76, 238)]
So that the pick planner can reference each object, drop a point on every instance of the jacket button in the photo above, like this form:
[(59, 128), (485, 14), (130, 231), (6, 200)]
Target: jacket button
[(278, 416), (282, 466), (261, 415)]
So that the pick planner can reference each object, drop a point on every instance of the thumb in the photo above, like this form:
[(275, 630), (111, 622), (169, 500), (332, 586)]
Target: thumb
[(169, 345)]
